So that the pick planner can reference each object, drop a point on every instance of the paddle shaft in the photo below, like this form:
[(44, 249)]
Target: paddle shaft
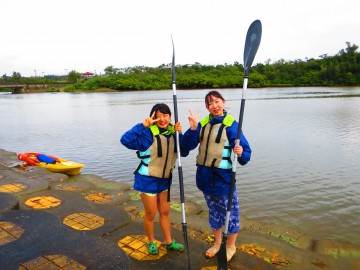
[(237, 142), (222, 258), (181, 181)]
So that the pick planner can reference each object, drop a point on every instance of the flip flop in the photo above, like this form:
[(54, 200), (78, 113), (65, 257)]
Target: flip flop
[(230, 252), (211, 252)]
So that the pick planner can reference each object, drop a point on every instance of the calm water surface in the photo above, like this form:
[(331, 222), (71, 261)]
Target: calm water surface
[(304, 170)]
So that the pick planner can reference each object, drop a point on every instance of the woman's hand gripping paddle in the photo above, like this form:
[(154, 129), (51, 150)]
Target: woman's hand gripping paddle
[(252, 42)]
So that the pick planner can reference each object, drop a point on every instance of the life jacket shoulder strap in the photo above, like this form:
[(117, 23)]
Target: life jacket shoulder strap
[(205, 121), (156, 133), (154, 130), (227, 121)]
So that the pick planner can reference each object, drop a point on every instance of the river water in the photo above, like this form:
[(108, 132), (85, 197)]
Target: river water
[(304, 170)]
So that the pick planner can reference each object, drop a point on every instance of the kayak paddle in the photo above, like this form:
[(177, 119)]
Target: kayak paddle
[(181, 182), (252, 42)]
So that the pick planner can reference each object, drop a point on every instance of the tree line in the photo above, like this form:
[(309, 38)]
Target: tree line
[(342, 69)]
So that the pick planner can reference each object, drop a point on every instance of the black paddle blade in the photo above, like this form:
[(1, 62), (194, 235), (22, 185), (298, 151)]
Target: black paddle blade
[(173, 62), (221, 256), (252, 42), (186, 242)]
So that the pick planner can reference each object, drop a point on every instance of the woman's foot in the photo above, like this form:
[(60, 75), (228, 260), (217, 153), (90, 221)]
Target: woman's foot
[(211, 252), (152, 248), (174, 246), (230, 252)]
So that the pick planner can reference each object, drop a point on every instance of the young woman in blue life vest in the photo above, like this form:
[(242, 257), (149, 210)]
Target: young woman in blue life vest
[(154, 140), (216, 135)]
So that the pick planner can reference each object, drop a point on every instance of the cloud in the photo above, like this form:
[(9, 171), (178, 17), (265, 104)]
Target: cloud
[(90, 35)]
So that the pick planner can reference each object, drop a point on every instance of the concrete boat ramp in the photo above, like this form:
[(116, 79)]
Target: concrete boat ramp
[(53, 221)]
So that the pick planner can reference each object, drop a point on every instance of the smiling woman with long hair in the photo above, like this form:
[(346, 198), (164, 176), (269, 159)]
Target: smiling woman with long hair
[(216, 135)]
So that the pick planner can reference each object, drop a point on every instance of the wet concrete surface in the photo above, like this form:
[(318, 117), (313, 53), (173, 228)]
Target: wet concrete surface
[(53, 221)]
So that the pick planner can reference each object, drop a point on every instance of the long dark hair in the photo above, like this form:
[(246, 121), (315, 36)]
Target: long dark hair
[(212, 93), (161, 107)]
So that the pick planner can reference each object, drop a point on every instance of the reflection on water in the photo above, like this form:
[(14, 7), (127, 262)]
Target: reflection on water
[(304, 169)]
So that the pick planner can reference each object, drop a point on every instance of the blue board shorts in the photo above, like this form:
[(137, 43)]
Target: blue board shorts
[(217, 212)]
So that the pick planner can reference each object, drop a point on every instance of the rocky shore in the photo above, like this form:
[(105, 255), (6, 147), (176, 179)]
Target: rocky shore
[(54, 221)]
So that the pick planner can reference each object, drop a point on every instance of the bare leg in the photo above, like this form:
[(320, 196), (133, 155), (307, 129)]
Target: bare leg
[(164, 219), (231, 240), (217, 236), (230, 246), (150, 206), (212, 251)]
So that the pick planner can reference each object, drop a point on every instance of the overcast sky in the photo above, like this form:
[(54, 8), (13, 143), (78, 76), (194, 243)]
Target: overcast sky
[(57, 36)]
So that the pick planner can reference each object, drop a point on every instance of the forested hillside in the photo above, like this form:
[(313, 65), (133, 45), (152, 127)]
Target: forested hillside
[(342, 69)]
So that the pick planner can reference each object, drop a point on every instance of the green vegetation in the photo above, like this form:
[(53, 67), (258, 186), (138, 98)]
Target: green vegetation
[(5, 89), (342, 69)]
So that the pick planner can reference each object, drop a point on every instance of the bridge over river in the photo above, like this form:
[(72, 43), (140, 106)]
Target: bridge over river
[(18, 88), (15, 88)]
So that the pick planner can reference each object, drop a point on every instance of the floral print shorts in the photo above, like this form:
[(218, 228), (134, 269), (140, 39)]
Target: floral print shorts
[(217, 212)]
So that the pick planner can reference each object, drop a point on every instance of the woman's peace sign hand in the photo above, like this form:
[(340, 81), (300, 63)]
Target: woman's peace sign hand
[(193, 120), (150, 120)]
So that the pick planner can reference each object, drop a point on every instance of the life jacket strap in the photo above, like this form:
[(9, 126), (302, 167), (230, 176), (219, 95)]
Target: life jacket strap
[(218, 137), (169, 185), (142, 163), (159, 148), (213, 170), (202, 132), (227, 159), (175, 144), (141, 157), (228, 147)]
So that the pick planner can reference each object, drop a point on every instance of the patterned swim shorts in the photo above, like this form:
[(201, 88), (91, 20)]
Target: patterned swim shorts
[(217, 212)]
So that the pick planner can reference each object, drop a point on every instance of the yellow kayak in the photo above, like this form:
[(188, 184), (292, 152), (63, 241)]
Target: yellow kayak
[(51, 163), (63, 166)]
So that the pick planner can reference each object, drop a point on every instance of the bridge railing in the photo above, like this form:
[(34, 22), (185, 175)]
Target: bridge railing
[(7, 84)]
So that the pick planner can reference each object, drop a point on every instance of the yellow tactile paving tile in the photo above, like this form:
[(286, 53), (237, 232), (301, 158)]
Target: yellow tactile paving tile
[(12, 187), (101, 197), (84, 221), (9, 232), (52, 262), (43, 202), (135, 246)]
